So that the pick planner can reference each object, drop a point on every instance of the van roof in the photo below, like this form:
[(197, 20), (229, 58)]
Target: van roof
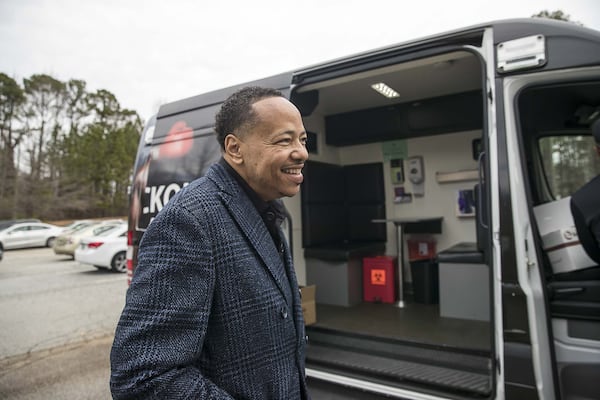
[(503, 30)]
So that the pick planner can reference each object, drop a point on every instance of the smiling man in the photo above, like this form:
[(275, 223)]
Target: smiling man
[(213, 310)]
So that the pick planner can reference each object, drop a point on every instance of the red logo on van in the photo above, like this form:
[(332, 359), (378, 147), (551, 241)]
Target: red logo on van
[(178, 141)]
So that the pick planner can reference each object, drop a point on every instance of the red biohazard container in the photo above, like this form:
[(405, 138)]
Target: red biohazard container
[(379, 279)]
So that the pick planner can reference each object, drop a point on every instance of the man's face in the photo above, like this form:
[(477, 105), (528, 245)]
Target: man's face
[(273, 152)]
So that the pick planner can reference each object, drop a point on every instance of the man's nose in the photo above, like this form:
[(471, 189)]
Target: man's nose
[(300, 152)]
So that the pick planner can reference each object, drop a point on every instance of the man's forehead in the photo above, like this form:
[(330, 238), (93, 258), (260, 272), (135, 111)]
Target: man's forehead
[(273, 108)]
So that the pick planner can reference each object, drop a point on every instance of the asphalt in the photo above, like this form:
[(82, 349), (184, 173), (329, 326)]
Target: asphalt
[(75, 371)]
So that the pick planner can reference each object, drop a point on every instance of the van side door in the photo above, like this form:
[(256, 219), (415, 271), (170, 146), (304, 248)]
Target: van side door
[(546, 110)]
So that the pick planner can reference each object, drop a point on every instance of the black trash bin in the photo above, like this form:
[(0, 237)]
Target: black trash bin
[(425, 281)]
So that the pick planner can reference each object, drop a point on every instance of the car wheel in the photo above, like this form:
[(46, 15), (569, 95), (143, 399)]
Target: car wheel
[(50, 242), (119, 262)]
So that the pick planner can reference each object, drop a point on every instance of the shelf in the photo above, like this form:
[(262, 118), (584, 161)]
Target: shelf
[(457, 176)]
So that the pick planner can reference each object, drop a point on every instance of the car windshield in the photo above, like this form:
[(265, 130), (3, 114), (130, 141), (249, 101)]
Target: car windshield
[(106, 230), (78, 227)]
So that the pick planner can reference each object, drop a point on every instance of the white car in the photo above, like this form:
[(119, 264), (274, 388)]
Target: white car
[(105, 250), (29, 234)]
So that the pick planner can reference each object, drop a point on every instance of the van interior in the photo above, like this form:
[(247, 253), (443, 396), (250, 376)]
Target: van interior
[(391, 224)]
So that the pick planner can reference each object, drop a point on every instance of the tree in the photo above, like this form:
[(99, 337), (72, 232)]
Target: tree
[(557, 15), (11, 98), (97, 161), (45, 101), (42, 122), (77, 107), (64, 152)]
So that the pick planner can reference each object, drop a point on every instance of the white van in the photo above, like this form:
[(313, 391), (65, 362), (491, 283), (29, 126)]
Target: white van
[(433, 222)]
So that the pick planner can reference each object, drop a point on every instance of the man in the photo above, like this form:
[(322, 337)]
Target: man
[(213, 310), (585, 207)]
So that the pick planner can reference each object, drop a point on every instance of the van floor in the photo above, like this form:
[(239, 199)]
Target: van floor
[(415, 322)]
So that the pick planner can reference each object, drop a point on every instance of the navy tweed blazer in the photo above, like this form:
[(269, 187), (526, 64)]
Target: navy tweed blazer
[(213, 311)]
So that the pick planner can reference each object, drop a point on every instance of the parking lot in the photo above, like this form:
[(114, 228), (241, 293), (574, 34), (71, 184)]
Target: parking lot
[(57, 321), (57, 318)]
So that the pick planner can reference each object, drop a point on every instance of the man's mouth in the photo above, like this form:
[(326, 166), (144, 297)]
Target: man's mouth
[(292, 171)]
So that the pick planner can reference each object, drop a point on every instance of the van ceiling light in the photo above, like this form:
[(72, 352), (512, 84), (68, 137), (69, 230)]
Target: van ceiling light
[(385, 90)]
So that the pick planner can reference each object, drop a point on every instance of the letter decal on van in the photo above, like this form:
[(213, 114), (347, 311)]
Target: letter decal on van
[(159, 196), (155, 203), (155, 198), (170, 191)]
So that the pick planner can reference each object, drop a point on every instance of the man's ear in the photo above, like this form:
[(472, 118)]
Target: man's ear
[(233, 149)]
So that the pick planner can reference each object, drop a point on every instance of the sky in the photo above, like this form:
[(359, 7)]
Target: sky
[(150, 52)]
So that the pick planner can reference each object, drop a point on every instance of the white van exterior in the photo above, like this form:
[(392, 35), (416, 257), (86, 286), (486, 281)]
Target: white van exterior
[(477, 157)]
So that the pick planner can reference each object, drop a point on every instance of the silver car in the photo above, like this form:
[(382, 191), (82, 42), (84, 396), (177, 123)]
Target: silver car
[(29, 234)]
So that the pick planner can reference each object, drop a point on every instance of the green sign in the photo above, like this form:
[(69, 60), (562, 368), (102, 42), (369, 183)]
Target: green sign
[(394, 149)]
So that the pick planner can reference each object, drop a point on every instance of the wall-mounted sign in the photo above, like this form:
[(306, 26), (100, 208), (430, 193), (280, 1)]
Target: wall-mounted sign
[(394, 149)]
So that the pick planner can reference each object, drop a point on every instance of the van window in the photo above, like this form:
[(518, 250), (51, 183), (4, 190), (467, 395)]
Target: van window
[(568, 161)]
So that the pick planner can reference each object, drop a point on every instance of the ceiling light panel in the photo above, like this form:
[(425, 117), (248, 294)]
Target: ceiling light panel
[(385, 90)]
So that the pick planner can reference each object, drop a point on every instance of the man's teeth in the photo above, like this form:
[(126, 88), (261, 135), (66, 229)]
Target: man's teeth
[(292, 171)]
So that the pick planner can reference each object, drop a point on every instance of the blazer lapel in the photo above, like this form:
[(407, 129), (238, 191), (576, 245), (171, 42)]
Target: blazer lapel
[(251, 224)]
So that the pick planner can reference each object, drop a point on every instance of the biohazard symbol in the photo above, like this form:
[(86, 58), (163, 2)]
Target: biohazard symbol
[(378, 277)]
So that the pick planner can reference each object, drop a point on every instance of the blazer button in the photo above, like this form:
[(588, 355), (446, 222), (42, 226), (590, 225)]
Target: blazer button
[(284, 313)]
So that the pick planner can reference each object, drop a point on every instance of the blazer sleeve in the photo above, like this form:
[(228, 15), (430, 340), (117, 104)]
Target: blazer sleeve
[(159, 337)]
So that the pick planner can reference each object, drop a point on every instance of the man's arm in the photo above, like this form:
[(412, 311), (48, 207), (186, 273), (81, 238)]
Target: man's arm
[(161, 332)]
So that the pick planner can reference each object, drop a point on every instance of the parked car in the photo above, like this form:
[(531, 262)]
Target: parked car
[(105, 250), (66, 243), (29, 234), (10, 222)]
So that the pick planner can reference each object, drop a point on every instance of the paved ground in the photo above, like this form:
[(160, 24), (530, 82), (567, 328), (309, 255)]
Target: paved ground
[(48, 301), (75, 371), (57, 319)]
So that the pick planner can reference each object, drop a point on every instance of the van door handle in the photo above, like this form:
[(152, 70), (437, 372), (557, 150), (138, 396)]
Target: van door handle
[(481, 176), (569, 290)]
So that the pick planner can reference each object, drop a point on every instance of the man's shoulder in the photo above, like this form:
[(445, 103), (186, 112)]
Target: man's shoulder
[(197, 192), (206, 190)]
